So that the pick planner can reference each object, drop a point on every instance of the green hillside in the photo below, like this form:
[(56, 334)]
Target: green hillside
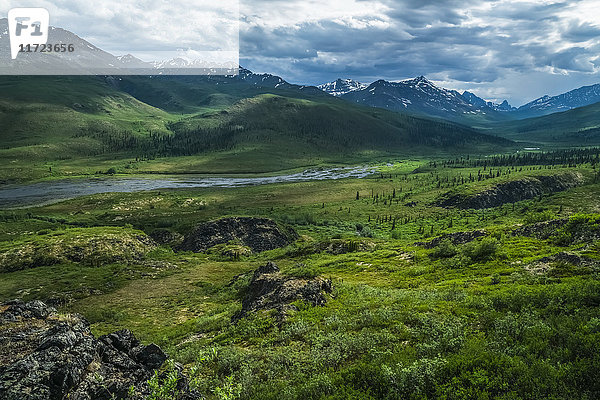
[(577, 127), (66, 126)]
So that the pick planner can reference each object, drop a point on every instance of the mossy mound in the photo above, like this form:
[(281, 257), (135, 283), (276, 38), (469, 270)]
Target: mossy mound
[(88, 246)]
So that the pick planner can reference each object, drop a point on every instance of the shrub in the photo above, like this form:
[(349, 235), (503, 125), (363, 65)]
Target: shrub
[(538, 216), (366, 232), (229, 390), (444, 250), (481, 251), (164, 387)]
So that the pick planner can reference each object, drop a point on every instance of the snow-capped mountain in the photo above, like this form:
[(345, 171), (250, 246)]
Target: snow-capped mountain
[(545, 105), (133, 62), (341, 87), (87, 55), (418, 95), (477, 101), (89, 59), (273, 82)]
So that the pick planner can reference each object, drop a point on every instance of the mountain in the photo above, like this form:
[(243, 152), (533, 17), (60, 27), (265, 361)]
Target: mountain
[(87, 56), (188, 93), (545, 105), (341, 87), (576, 127), (88, 124), (133, 62), (420, 96), (88, 59), (477, 101)]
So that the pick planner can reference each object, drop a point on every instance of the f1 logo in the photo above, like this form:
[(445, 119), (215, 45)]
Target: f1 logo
[(27, 26)]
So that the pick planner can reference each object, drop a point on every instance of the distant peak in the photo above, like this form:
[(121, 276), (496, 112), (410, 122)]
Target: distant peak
[(419, 80), (341, 86)]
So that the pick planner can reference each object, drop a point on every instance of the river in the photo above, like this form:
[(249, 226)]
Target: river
[(54, 191)]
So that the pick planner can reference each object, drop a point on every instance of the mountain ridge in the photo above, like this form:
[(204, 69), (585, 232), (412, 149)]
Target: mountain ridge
[(575, 98)]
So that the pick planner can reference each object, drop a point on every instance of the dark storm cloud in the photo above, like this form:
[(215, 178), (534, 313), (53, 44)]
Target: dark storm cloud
[(476, 45), (581, 32)]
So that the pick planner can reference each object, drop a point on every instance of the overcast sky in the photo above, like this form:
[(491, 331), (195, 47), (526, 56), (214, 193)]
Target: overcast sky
[(518, 50)]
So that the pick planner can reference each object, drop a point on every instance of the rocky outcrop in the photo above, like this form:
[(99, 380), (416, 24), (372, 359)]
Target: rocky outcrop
[(259, 234), (269, 289), (455, 238), (44, 355), (512, 191), (343, 246), (166, 237), (547, 264), (565, 232), (571, 258), (541, 230)]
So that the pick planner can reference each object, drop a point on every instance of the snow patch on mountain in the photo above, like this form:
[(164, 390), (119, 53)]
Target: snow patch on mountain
[(341, 87)]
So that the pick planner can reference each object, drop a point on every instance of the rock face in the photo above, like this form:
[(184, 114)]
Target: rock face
[(44, 355), (269, 290), (513, 191), (259, 234)]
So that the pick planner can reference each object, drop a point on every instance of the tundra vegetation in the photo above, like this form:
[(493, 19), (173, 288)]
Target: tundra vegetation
[(429, 299)]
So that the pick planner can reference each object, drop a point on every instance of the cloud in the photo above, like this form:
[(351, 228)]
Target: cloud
[(480, 45), (122, 26), (477, 46)]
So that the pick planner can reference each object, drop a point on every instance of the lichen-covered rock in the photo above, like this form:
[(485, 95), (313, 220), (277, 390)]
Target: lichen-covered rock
[(512, 191), (259, 234), (44, 355), (269, 289)]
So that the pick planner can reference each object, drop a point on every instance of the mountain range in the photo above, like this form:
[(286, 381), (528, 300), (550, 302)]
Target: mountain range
[(417, 96), (89, 59), (421, 96), (261, 122)]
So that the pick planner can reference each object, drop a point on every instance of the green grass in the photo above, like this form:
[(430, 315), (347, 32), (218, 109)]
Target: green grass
[(477, 320), (577, 127)]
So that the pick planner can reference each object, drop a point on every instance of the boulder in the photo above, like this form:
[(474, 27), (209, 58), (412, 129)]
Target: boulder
[(269, 289)]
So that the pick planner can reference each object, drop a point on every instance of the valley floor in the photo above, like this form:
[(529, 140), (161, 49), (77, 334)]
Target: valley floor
[(509, 310)]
